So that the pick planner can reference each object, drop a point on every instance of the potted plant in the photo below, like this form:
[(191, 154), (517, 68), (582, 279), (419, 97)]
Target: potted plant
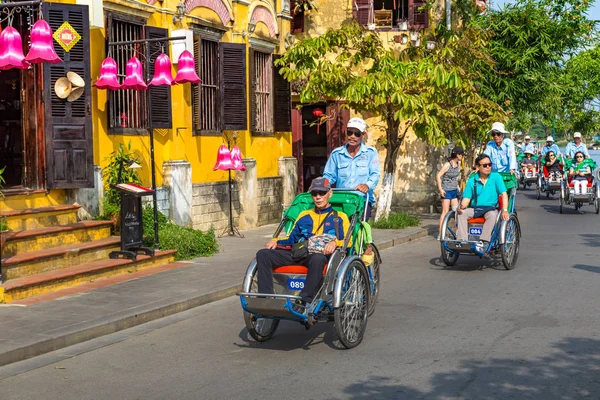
[(402, 24)]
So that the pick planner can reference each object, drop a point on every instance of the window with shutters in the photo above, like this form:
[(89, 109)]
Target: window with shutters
[(262, 81), (389, 14), (126, 108), (297, 22), (206, 94)]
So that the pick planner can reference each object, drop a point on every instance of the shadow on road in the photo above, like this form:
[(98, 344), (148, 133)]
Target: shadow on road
[(570, 372), (291, 336), (467, 263), (590, 268), (591, 240)]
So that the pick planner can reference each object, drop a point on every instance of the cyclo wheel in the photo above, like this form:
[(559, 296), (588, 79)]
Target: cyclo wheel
[(538, 190), (450, 258), (375, 269), (510, 249), (350, 318), (260, 329), (562, 199), (597, 204)]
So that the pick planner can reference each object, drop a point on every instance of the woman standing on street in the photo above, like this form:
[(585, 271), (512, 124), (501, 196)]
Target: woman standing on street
[(447, 182)]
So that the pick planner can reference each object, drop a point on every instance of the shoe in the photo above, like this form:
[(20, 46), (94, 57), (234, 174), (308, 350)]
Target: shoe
[(368, 259), (299, 306), (481, 247)]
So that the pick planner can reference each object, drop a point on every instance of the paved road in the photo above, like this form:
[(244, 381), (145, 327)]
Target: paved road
[(460, 333)]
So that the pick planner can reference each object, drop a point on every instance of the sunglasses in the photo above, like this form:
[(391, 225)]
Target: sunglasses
[(496, 134), (350, 133), (486, 165), (579, 157), (318, 193)]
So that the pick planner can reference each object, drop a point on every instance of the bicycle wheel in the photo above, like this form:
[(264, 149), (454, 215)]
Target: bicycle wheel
[(260, 329), (375, 272), (449, 226), (350, 318), (510, 248)]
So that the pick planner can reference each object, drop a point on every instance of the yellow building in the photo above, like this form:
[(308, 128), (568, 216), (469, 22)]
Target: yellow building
[(234, 43)]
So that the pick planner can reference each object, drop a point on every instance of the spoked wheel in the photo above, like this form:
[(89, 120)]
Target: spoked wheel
[(597, 204), (538, 191), (375, 272), (449, 257), (351, 316), (548, 194), (562, 200), (261, 329), (510, 248)]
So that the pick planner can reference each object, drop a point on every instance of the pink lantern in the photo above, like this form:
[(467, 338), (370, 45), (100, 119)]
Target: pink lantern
[(186, 70), (236, 159), (11, 50), (42, 47), (134, 75), (108, 75), (162, 71), (223, 159)]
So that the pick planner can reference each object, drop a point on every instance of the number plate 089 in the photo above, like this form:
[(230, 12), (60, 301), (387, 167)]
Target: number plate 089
[(296, 284)]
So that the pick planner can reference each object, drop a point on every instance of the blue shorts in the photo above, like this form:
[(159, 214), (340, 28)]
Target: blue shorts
[(451, 195)]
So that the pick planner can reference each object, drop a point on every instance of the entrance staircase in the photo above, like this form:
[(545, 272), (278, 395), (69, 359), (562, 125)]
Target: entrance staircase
[(48, 249)]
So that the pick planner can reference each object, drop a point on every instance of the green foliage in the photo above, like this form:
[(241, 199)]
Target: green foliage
[(3, 225), (189, 243), (396, 220), (120, 159)]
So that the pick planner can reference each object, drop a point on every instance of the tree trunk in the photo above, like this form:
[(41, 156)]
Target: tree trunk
[(394, 141)]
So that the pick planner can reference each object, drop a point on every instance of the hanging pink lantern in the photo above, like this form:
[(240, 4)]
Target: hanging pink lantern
[(186, 70), (108, 75), (162, 71), (42, 47), (236, 159), (223, 159), (11, 50), (134, 75)]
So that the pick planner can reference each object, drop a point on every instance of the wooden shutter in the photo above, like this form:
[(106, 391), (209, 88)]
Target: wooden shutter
[(68, 125), (252, 70), (282, 110), (160, 96), (297, 22), (360, 11), (234, 112), (419, 19), (196, 87)]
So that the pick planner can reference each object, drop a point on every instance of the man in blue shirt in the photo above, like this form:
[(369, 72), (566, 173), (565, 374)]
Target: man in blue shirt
[(550, 146), (355, 165), (575, 146), (501, 150), (526, 145), (483, 188)]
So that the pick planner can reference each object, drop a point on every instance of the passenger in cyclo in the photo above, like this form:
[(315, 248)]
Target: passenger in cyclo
[(501, 150), (528, 164), (323, 227), (482, 190), (580, 171), (553, 167), (447, 182), (355, 165)]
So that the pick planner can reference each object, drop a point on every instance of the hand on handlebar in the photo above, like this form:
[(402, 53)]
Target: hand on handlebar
[(271, 244), (362, 188), (505, 215)]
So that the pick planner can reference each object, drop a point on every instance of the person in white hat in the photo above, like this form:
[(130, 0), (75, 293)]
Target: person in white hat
[(550, 146), (575, 146), (501, 150), (528, 164), (527, 145)]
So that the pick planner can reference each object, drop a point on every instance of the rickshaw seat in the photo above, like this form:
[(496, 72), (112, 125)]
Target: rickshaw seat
[(481, 220), (590, 180), (294, 269)]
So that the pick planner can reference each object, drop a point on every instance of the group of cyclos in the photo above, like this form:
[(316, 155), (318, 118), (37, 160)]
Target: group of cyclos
[(571, 176)]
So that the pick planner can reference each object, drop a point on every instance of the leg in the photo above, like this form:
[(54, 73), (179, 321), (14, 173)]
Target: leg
[(445, 208), (265, 261), (369, 209), (315, 264), (488, 225), (463, 225)]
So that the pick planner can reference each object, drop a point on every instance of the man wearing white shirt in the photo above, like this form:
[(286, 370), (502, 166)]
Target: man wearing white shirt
[(575, 146), (526, 145)]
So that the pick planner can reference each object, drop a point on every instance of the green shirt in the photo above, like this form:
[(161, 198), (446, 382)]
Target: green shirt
[(487, 194)]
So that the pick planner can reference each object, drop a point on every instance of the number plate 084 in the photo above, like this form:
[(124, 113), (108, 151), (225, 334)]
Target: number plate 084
[(475, 231), (296, 284)]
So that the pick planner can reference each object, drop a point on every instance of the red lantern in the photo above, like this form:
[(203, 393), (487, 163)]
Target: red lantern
[(318, 113)]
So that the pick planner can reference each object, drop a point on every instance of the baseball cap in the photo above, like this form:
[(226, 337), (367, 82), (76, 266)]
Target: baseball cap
[(357, 123), (458, 150), (577, 134), (320, 184)]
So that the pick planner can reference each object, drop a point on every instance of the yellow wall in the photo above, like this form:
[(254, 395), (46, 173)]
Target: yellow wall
[(179, 143)]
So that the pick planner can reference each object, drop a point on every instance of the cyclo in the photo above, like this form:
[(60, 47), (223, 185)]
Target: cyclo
[(548, 182), (528, 177), (567, 191), (348, 291), (505, 238)]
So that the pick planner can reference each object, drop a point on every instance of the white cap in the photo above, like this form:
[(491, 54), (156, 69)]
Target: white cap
[(527, 137), (577, 134), (357, 123), (499, 127), (549, 139)]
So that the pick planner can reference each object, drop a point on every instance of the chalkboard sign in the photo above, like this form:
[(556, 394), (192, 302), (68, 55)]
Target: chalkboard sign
[(132, 232)]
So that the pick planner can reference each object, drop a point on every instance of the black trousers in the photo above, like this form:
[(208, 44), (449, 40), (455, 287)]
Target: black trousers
[(267, 259)]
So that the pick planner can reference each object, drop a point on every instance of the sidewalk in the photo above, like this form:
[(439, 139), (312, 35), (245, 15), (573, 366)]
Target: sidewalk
[(53, 321)]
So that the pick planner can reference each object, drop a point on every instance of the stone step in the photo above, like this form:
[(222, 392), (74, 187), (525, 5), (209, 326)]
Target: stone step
[(42, 217), (36, 262), (17, 289), (47, 238)]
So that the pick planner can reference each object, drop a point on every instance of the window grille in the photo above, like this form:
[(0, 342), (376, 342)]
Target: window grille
[(263, 79), (206, 94)]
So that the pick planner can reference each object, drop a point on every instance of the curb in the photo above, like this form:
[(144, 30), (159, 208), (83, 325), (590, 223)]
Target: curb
[(126, 322)]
